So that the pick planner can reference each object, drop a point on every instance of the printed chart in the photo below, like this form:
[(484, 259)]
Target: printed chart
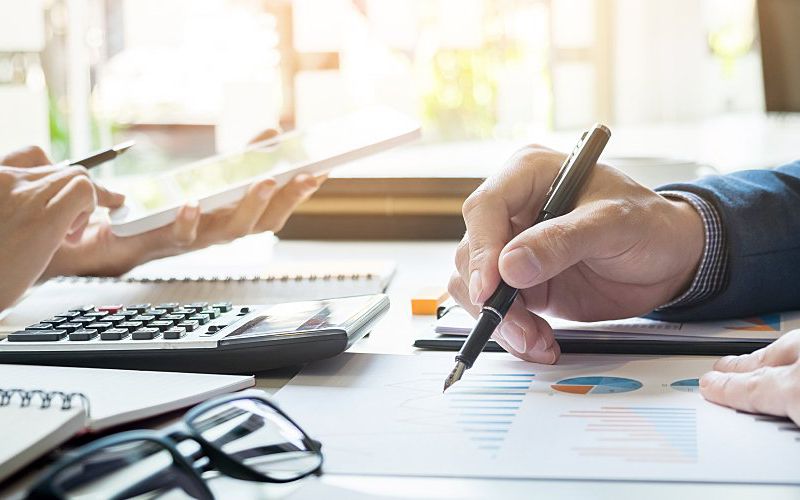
[(686, 385), (596, 385)]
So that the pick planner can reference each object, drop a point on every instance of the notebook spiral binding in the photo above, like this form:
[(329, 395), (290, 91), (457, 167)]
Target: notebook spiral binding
[(45, 399), (270, 278)]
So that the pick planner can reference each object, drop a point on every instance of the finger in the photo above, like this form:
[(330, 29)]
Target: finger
[(285, 201), (759, 391), (54, 182), (184, 229), (250, 209), (458, 290), (264, 135), (76, 197), (529, 335), (546, 249), (783, 351), (31, 156), (108, 198), (461, 259)]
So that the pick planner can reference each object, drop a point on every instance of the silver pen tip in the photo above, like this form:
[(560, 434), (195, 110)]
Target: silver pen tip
[(455, 375)]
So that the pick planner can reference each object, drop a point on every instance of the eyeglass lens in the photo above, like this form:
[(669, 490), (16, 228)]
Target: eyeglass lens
[(134, 469), (255, 434)]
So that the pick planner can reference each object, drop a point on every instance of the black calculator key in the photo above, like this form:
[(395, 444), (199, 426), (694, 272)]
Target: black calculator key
[(70, 327), (145, 334), (244, 310), (40, 326), (216, 328), (54, 321), (156, 312), (145, 318), (95, 314), (130, 326), (114, 334), (223, 306), (69, 314), (83, 320), (160, 325), (127, 314), (37, 336), (83, 309), (100, 325), (212, 313), (174, 333), (172, 317), (200, 318), (183, 311), (168, 306), (188, 325), (140, 308), (114, 318), (196, 306), (83, 334)]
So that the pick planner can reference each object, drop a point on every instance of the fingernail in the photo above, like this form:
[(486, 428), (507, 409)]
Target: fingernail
[(191, 211), (543, 344), (514, 336), (265, 191), (521, 266), (475, 286)]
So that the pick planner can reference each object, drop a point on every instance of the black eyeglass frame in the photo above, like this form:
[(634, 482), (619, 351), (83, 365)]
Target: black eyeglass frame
[(168, 439)]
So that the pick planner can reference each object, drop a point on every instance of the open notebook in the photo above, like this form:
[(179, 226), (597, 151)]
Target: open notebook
[(287, 283), (41, 407)]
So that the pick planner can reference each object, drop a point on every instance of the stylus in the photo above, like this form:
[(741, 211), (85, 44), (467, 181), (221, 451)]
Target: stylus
[(559, 200), (100, 157)]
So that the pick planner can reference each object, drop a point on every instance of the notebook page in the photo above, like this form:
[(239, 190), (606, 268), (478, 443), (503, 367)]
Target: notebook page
[(120, 396)]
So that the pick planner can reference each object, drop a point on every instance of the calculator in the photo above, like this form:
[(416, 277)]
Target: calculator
[(198, 337)]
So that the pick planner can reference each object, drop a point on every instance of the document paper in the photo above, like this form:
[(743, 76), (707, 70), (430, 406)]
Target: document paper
[(589, 417)]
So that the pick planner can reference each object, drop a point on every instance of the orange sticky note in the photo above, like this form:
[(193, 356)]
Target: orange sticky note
[(425, 301)]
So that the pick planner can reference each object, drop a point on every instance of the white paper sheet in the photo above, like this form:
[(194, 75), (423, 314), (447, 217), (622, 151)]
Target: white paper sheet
[(633, 418)]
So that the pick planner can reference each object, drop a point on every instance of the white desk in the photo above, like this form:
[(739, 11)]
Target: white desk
[(425, 263)]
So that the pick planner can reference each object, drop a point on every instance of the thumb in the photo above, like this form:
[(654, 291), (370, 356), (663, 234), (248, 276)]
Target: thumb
[(547, 249)]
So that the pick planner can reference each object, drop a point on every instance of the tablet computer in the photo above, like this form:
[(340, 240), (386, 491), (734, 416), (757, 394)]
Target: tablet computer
[(153, 201)]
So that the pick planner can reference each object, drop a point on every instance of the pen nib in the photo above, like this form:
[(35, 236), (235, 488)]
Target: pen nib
[(455, 375)]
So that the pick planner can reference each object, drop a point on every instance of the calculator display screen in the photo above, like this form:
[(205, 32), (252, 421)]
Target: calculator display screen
[(304, 317)]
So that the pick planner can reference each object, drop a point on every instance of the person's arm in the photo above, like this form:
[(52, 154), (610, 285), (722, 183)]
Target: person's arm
[(759, 270)]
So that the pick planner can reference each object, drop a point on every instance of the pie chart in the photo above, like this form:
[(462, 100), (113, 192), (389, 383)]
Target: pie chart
[(686, 385), (596, 385)]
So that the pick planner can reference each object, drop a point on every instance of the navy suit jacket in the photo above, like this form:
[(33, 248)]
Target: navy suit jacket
[(760, 213)]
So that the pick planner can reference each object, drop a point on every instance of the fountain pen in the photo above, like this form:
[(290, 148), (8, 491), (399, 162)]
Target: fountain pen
[(559, 200)]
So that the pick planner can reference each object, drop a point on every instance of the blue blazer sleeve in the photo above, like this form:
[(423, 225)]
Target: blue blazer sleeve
[(760, 214)]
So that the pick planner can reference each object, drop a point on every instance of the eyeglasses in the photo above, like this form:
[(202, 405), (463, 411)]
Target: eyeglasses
[(242, 436)]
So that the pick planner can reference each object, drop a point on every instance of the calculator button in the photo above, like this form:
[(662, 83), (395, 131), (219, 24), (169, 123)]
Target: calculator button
[(83, 334), (212, 313), (189, 325), (168, 306), (54, 321), (40, 326), (183, 311), (145, 334), (172, 317), (114, 319), (83, 309), (100, 325), (69, 314), (200, 318), (216, 328), (156, 312), (112, 309), (243, 311), (37, 336), (127, 314), (160, 325), (114, 334), (95, 314), (174, 333), (196, 306), (138, 307), (83, 320), (70, 327), (223, 306), (145, 318), (130, 326)]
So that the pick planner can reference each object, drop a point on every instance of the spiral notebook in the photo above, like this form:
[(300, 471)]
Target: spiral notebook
[(287, 283), (42, 407)]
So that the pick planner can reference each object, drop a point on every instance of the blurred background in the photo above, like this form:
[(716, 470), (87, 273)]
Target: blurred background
[(195, 76), (187, 78)]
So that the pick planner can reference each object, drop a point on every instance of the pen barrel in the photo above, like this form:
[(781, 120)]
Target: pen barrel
[(477, 340)]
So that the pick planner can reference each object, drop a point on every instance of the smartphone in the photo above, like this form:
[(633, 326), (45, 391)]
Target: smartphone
[(153, 201)]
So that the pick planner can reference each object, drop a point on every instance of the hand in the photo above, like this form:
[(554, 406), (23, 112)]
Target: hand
[(766, 381), (623, 251), (263, 208), (40, 207)]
